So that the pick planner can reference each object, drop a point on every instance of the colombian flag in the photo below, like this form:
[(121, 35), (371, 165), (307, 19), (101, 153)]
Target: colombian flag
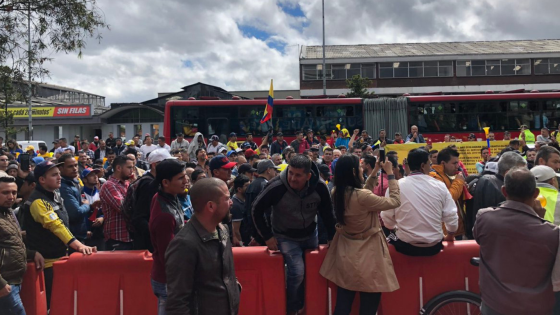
[(269, 105)]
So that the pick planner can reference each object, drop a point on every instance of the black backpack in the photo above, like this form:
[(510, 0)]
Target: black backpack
[(127, 207)]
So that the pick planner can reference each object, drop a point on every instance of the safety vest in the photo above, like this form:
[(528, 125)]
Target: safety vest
[(552, 205), (529, 137)]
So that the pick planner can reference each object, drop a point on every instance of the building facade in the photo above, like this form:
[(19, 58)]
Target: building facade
[(420, 68)]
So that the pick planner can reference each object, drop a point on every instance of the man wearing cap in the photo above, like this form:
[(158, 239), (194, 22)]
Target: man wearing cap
[(247, 170), (311, 140), (250, 141), (30, 150), (526, 134), (46, 221), (326, 174), (398, 138), (147, 147), (56, 145), (232, 143), (146, 188), (221, 168), (78, 209), (471, 137), (180, 142), (94, 221), (547, 183), (214, 144), (266, 171), (95, 144)]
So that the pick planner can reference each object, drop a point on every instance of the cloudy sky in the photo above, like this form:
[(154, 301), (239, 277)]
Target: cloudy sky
[(163, 45)]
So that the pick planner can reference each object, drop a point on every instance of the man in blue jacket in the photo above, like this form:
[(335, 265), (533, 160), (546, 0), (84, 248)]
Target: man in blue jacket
[(70, 191)]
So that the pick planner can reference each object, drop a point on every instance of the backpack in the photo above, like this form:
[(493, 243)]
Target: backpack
[(127, 207)]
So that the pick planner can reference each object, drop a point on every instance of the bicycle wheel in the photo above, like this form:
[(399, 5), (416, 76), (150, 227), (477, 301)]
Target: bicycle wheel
[(453, 303)]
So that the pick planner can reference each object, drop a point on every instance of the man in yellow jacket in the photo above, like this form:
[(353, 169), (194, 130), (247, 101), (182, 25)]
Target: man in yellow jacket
[(447, 171), (547, 183)]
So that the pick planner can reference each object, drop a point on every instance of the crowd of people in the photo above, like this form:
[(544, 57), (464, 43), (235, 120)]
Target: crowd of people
[(189, 203)]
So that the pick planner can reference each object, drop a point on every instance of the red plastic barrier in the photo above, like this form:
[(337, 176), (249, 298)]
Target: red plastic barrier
[(32, 292), (261, 275), (109, 283), (446, 271)]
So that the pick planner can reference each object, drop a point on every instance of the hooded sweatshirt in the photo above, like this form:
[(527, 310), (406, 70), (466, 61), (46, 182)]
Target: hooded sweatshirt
[(294, 214), (195, 145)]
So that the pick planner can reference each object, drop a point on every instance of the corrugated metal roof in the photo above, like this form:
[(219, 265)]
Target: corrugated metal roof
[(432, 49)]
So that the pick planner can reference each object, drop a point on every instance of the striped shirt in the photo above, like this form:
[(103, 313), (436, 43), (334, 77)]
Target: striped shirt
[(112, 195)]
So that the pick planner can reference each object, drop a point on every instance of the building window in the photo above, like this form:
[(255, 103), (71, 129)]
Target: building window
[(121, 131), (416, 69), (498, 67), (547, 66), (338, 71), (138, 130)]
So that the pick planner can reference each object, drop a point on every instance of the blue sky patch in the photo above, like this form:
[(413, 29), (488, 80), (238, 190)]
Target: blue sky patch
[(292, 9), (187, 63), (250, 31)]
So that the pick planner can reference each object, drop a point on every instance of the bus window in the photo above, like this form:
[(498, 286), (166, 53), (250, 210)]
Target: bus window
[(184, 119), (551, 113)]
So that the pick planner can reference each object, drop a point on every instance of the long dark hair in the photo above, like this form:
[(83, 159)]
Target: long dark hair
[(345, 176)]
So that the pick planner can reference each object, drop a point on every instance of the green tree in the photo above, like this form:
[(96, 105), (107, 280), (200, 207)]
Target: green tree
[(56, 26), (12, 90), (358, 87)]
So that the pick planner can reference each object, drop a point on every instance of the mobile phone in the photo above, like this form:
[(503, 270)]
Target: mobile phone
[(382, 154), (24, 159)]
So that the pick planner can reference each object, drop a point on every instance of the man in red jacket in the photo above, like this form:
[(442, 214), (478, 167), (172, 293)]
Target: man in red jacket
[(166, 219)]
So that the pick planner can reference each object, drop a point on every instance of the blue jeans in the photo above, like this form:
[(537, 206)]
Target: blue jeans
[(293, 252), (160, 290), (11, 304)]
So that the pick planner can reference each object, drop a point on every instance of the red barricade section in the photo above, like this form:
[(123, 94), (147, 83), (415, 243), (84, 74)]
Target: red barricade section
[(261, 274), (33, 295), (108, 283), (420, 279)]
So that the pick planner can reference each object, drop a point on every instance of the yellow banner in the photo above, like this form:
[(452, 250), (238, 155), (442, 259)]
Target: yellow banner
[(470, 151), (23, 112), (402, 149)]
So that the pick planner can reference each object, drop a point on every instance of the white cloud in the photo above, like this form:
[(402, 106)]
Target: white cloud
[(160, 46)]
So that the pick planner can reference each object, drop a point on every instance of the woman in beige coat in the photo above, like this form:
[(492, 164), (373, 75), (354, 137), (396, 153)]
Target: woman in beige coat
[(358, 259)]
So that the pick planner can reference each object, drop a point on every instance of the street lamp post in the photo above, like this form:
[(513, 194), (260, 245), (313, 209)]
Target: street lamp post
[(324, 65), (30, 109)]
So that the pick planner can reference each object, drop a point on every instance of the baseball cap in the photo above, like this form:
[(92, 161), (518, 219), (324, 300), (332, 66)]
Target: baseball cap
[(233, 134), (130, 142), (264, 165), (147, 135), (96, 138), (230, 152), (220, 161), (279, 134), (325, 169), (245, 167), (36, 160), (159, 155), (44, 167), (88, 170), (543, 173), (76, 136), (491, 167), (214, 138), (249, 153), (30, 147), (55, 141), (314, 149), (523, 127), (245, 145)]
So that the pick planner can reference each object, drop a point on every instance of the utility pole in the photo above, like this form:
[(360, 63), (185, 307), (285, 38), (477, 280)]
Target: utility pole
[(30, 109), (324, 64)]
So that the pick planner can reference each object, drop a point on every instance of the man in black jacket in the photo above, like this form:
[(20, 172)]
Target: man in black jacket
[(266, 171), (279, 145), (295, 197)]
